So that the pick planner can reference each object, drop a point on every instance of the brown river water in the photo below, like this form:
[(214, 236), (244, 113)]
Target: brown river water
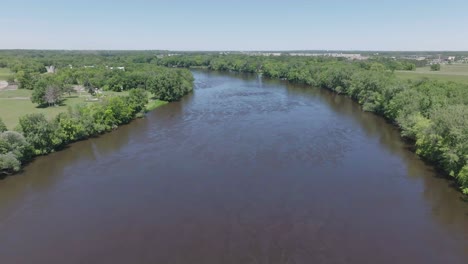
[(244, 170)]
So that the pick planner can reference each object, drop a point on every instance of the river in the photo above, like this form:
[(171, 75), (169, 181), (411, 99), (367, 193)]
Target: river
[(244, 170)]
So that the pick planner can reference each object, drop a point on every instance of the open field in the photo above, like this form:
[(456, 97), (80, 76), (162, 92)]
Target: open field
[(4, 73), (17, 103), (455, 73)]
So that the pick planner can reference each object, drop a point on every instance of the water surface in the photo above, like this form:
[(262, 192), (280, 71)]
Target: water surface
[(244, 170)]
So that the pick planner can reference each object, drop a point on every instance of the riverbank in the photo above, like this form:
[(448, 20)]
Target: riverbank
[(430, 113), (417, 141), (250, 161), (17, 103), (153, 104), (41, 135)]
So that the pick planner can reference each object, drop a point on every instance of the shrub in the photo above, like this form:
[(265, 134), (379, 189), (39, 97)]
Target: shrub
[(2, 126), (9, 163), (40, 133), (435, 67), (15, 143)]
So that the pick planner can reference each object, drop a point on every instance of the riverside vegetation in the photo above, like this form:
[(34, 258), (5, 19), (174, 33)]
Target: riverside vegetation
[(38, 135), (432, 114)]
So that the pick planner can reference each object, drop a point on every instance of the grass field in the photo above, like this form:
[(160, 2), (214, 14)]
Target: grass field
[(455, 73), (153, 104), (14, 104), (4, 74), (17, 103)]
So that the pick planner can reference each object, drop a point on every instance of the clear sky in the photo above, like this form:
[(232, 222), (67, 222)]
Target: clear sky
[(235, 25)]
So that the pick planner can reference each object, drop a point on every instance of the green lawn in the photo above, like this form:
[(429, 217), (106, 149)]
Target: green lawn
[(4, 74), (153, 104), (455, 73), (14, 104)]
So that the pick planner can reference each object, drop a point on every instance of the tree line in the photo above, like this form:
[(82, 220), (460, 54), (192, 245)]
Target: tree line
[(166, 84), (35, 135), (433, 114), (112, 71)]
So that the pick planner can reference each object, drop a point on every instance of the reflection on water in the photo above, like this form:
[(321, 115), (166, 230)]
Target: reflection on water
[(244, 170)]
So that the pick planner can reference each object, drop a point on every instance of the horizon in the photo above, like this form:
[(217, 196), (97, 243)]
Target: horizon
[(202, 51), (207, 25)]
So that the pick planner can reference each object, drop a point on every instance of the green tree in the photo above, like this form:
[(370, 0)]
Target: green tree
[(2, 126), (52, 95), (40, 133), (137, 99), (463, 179), (9, 163), (435, 67), (39, 92), (14, 149), (69, 129), (14, 142), (26, 80)]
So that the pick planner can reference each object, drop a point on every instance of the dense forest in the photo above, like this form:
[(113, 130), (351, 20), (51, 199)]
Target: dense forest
[(432, 114), (94, 72)]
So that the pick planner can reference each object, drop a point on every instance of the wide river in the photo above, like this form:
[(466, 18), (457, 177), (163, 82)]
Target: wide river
[(244, 170)]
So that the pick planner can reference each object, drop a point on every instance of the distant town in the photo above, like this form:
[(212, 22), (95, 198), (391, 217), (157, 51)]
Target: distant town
[(422, 58), (430, 58)]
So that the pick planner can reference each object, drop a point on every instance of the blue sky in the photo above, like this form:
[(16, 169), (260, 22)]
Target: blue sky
[(235, 25)]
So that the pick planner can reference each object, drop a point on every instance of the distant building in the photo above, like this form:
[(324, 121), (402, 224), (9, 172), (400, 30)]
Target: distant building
[(333, 55), (414, 57), (50, 69), (262, 53), (118, 68), (272, 54)]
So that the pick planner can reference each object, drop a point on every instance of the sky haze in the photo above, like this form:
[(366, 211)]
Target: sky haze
[(235, 25)]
